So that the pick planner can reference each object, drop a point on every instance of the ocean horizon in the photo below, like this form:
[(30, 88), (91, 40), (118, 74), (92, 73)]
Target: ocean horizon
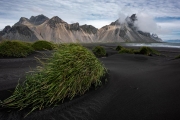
[(164, 44), (161, 44)]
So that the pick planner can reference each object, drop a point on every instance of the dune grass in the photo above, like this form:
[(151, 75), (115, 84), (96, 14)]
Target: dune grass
[(143, 50), (118, 48), (99, 51), (43, 45), (28, 43), (126, 50), (15, 49), (71, 71), (147, 51)]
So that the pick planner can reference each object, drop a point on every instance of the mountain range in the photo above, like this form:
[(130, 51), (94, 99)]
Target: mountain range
[(57, 30)]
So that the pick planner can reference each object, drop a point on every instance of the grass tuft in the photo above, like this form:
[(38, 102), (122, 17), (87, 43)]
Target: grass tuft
[(118, 48), (15, 49), (71, 71), (147, 51), (99, 51), (126, 50), (143, 50), (42, 45)]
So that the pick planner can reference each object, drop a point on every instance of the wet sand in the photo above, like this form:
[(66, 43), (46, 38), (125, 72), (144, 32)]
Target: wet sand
[(139, 88)]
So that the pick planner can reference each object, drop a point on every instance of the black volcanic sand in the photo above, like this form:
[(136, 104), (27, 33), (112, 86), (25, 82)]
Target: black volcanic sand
[(139, 88)]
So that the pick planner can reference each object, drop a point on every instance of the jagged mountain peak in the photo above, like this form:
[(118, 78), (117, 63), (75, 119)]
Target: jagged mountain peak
[(34, 20), (20, 32), (22, 29), (7, 28), (55, 20), (75, 23), (38, 16), (89, 28), (39, 19), (74, 26), (116, 22), (133, 17), (22, 19), (129, 20)]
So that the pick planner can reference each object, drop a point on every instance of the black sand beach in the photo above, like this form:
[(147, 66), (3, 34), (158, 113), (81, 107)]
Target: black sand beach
[(139, 87)]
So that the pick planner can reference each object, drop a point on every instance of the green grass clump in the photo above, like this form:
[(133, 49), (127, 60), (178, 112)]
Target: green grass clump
[(71, 71), (147, 51), (14, 49), (126, 50), (142, 50), (42, 45), (99, 51), (118, 48), (28, 43)]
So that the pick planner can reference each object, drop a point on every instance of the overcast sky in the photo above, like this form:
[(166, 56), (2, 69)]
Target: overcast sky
[(155, 16)]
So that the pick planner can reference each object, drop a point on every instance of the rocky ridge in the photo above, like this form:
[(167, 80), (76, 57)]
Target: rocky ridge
[(57, 30)]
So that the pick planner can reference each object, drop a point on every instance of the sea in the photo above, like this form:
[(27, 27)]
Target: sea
[(160, 44), (164, 44)]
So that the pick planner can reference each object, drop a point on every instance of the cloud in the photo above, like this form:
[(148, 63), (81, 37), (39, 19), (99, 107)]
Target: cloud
[(146, 23), (171, 25), (83, 9), (173, 35), (122, 17), (36, 9), (171, 30)]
